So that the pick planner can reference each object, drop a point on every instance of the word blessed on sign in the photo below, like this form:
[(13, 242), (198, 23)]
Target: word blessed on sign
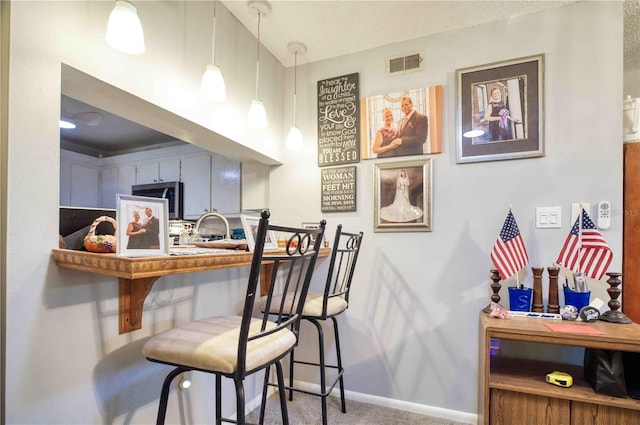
[(338, 189), (338, 121)]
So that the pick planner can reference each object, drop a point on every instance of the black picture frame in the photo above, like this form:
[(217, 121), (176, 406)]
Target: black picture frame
[(511, 128)]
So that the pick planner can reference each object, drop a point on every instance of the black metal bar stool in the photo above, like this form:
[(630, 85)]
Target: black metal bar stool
[(237, 346), (327, 306)]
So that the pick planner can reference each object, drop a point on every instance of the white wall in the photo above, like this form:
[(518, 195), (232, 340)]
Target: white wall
[(411, 331), (66, 362)]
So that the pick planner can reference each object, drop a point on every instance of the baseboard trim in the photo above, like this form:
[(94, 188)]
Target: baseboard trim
[(421, 409)]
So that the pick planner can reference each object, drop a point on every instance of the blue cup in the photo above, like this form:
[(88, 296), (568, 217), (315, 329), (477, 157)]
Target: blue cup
[(520, 299), (576, 299)]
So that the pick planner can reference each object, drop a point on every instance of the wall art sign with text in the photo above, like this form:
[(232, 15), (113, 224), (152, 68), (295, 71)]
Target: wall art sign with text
[(338, 189), (338, 120)]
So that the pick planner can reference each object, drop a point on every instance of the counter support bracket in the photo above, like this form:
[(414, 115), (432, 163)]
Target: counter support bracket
[(132, 293)]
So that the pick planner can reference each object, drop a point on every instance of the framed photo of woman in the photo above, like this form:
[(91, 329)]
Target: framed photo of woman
[(143, 226), (500, 110), (403, 196)]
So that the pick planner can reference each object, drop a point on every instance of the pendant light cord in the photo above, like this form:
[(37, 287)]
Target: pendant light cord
[(213, 39), (258, 61), (295, 87)]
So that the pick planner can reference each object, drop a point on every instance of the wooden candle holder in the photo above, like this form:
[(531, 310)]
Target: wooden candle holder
[(495, 287), (536, 305), (613, 315), (553, 305)]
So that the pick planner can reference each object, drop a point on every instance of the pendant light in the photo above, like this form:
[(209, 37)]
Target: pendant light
[(257, 114), (294, 139), (124, 30), (212, 86)]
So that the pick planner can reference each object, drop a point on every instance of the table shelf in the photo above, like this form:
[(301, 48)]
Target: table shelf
[(136, 275), (509, 386)]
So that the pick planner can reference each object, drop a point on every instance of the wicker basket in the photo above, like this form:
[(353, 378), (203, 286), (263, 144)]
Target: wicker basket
[(100, 243)]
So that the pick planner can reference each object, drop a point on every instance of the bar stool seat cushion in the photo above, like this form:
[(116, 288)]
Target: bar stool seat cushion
[(212, 344), (313, 305)]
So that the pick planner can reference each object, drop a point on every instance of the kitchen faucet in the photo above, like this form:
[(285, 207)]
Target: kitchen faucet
[(196, 230)]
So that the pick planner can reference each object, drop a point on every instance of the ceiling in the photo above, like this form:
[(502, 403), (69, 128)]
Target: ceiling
[(333, 28), (106, 136), (329, 28)]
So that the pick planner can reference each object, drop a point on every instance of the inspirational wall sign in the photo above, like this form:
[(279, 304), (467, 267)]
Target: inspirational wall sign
[(338, 120), (338, 189)]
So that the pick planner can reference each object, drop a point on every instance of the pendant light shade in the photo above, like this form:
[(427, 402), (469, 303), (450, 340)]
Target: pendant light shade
[(257, 114), (212, 86), (294, 139), (124, 30)]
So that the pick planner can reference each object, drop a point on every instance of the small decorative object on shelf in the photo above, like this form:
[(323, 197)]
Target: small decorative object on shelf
[(537, 305), (569, 312), (614, 315), (100, 243), (495, 287), (553, 306)]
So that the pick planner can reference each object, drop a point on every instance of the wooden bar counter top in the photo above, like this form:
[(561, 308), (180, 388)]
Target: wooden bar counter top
[(136, 275)]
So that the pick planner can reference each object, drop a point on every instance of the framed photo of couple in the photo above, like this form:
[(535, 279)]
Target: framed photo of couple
[(403, 123), (143, 226), (403, 196), (500, 110)]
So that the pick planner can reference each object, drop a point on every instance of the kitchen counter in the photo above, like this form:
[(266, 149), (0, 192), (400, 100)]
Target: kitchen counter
[(136, 275)]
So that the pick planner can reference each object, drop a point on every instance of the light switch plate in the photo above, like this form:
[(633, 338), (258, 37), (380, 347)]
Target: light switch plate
[(548, 217)]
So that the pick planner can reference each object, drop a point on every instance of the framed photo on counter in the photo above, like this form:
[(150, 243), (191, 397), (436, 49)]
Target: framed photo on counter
[(143, 226), (250, 226)]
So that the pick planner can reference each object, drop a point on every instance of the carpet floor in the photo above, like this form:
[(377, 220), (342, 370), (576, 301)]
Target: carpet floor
[(305, 410)]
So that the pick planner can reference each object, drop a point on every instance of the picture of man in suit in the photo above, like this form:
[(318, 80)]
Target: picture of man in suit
[(412, 130), (151, 236), (402, 123)]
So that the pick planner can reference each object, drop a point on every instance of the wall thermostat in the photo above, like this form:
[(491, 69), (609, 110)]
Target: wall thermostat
[(603, 219)]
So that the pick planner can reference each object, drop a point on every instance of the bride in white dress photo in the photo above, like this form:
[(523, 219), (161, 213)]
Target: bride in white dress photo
[(401, 210)]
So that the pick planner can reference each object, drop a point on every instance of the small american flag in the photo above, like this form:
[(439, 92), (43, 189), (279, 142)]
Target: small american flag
[(509, 254), (587, 253)]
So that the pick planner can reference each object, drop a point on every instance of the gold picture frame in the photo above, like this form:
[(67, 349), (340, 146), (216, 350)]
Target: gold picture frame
[(403, 196)]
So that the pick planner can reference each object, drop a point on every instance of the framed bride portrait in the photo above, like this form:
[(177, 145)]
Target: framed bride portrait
[(402, 196)]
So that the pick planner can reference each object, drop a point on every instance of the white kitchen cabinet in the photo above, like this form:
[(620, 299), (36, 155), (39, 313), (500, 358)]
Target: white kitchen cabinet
[(84, 186), (211, 182), (196, 177), (116, 180), (166, 170), (79, 177), (109, 187), (255, 186), (225, 185), (65, 183)]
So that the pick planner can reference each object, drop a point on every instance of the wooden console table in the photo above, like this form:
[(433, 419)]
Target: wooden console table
[(136, 276), (514, 390)]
